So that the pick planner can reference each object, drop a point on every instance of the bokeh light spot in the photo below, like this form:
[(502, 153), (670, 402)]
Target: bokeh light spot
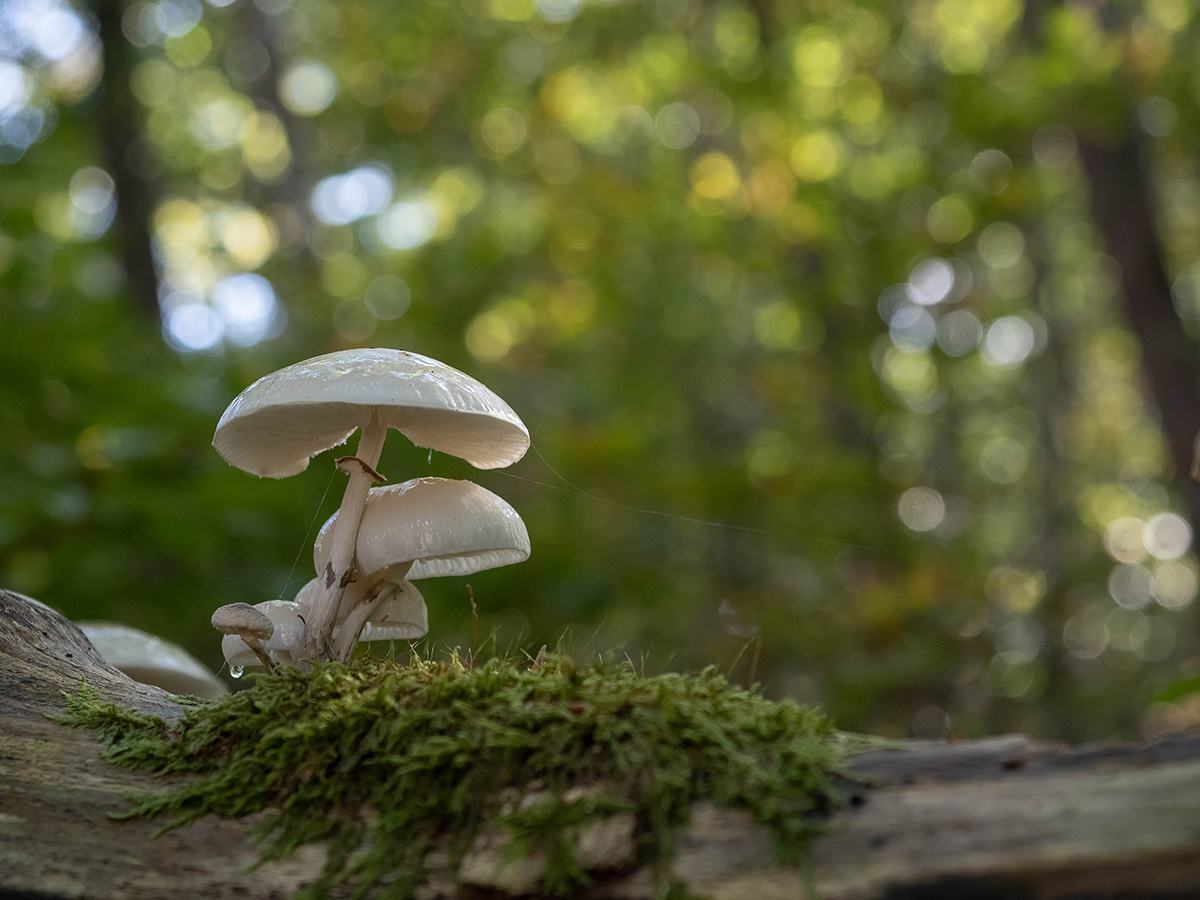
[(342, 199), (931, 282), (489, 337), (408, 224), (1167, 536), (248, 308), (558, 10), (959, 332), (1008, 342), (777, 326), (308, 87), (1123, 539), (1001, 244), (1175, 584), (248, 236), (93, 202), (175, 18), (949, 220), (921, 508), (503, 130), (1130, 585), (1003, 460), (15, 88), (715, 177), (815, 156), (771, 454), (192, 325), (388, 297), (677, 126), (912, 328), (1157, 116), (521, 60)]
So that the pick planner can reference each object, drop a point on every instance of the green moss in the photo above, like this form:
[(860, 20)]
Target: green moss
[(381, 760)]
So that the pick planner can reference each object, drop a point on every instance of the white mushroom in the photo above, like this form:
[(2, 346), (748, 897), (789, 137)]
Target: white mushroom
[(243, 621), (424, 528), (151, 660), (279, 647), (277, 424)]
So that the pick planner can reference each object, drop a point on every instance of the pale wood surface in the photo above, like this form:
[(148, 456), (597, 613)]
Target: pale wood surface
[(1001, 818)]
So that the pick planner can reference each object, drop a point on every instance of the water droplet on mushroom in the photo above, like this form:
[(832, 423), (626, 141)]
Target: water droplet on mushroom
[(236, 671)]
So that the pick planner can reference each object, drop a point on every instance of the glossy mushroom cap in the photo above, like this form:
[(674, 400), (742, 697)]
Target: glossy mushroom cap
[(441, 526), (286, 626), (276, 425), (151, 660)]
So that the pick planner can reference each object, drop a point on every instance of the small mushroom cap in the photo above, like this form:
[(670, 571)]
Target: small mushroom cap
[(287, 626), (441, 526), (243, 619), (151, 660), (276, 425), (400, 616)]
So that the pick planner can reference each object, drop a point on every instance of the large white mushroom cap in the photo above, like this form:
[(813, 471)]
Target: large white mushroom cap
[(276, 425), (151, 660), (441, 526), (285, 615)]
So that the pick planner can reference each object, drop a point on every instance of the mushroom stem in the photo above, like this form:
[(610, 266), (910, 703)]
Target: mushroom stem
[(347, 639), (257, 649), (314, 644)]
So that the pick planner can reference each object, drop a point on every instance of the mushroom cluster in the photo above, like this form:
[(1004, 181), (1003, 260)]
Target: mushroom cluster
[(380, 538)]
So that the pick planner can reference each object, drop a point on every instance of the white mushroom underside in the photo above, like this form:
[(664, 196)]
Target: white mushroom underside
[(446, 527), (274, 426), (402, 616)]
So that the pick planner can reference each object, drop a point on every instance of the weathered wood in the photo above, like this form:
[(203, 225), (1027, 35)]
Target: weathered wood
[(1005, 817)]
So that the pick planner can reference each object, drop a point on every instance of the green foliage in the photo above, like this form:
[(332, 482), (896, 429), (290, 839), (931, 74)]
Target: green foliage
[(679, 239), (382, 760)]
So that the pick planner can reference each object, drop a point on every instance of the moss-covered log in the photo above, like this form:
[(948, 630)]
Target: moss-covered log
[(1004, 817)]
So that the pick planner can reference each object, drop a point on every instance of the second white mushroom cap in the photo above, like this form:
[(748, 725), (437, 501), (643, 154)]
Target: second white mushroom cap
[(442, 526)]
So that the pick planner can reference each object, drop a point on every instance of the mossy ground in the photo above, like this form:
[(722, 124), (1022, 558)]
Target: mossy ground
[(382, 760)]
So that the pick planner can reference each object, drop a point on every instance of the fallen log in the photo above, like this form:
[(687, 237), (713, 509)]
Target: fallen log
[(1003, 817)]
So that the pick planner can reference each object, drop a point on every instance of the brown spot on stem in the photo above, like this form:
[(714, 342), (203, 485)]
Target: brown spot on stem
[(348, 464)]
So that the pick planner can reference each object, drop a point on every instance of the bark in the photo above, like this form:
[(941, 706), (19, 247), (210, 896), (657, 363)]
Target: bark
[(1004, 817)]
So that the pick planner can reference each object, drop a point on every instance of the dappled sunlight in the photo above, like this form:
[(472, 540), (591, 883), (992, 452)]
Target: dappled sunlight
[(808, 306)]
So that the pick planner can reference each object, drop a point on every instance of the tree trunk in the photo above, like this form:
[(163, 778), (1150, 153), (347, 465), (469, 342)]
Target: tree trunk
[(1004, 817), (1123, 206), (125, 151)]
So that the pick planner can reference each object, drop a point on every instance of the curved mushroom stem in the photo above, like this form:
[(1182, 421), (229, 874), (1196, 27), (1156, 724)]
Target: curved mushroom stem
[(314, 645), (347, 638), (256, 648)]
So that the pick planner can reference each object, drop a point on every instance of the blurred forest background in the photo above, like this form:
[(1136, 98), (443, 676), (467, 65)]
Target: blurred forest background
[(902, 299)]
